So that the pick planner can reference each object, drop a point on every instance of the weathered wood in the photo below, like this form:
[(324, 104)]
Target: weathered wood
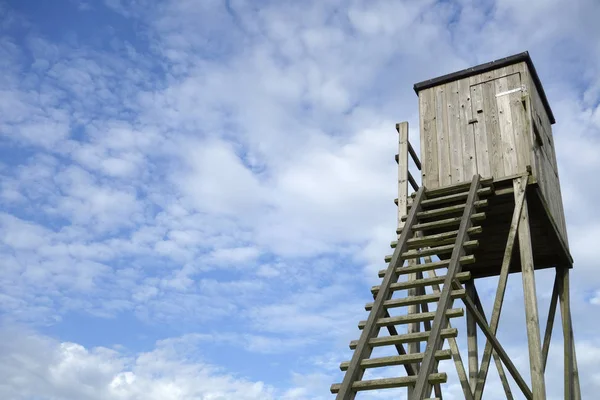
[(497, 360), (458, 363), (412, 182), (437, 239), (405, 338), (480, 130), (451, 198), (460, 276), (485, 329), (454, 134), (413, 309), (472, 340), (416, 299), (397, 360), (550, 322), (427, 325), (429, 149), (456, 188), (505, 123), (447, 210), (413, 154), (406, 319), (441, 124), (470, 259), (492, 125), (443, 223), (577, 395), (370, 330), (402, 129), (399, 347), (517, 110), (454, 267), (565, 311), (520, 187), (531, 310), (405, 176), (467, 131), (430, 251), (387, 383)]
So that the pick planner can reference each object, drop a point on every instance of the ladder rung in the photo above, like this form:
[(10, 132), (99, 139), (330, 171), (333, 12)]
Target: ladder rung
[(446, 210), (411, 300), (444, 223), (397, 360), (428, 266), (470, 244), (451, 198), (388, 383), (417, 317), (461, 277), (405, 338), (457, 188), (438, 239)]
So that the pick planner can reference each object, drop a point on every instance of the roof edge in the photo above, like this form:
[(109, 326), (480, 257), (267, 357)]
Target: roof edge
[(479, 69)]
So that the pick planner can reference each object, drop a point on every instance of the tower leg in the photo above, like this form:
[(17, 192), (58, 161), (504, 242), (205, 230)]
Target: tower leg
[(538, 386), (572, 389), (472, 341)]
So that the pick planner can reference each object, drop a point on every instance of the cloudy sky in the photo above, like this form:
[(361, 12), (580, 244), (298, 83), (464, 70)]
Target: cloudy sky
[(195, 195)]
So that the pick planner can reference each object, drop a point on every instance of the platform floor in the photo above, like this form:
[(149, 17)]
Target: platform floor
[(548, 249)]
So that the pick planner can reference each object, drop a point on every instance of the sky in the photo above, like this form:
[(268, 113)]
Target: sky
[(196, 196)]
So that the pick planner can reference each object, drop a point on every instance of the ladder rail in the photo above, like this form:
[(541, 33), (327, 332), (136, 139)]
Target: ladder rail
[(363, 350), (422, 386)]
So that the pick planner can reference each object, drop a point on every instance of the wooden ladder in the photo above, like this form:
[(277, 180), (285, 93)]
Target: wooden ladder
[(439, 223)]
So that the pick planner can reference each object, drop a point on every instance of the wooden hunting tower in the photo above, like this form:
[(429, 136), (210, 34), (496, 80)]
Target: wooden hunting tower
[(489, 177)]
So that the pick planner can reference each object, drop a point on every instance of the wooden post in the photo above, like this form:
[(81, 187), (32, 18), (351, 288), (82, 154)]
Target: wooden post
[(402, 129), (497, 347), (402, 159), (472, 340), (538, 386), (427, 327), (565, 312), (519, 187), (550, 321)]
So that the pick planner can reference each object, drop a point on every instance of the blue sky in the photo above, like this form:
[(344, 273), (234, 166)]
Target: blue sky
[(196, 195)]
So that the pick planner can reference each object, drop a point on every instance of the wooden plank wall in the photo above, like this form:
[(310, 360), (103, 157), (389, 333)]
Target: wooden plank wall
[(545, 167), (467, 129), (480, 124)]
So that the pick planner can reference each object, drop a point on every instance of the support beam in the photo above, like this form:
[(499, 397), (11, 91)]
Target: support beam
[(458, 363), (497, 360), (550, 321), (427, 327), (415, 327), (480, 319), (520, 186), (536, 368), (565, 311), (472, 340)]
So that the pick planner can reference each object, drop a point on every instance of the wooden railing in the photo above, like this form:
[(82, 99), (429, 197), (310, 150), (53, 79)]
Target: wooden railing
[(404, 175)]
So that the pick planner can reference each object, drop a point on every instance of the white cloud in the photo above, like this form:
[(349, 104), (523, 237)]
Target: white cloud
[(35, 366), (237, 162)]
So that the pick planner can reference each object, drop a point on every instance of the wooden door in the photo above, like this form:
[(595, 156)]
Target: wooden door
[(500, 126)]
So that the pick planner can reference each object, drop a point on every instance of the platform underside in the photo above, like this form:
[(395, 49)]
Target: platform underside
[(548, 249)]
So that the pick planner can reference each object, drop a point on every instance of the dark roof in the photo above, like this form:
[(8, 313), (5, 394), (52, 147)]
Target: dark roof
[(479, 69)]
